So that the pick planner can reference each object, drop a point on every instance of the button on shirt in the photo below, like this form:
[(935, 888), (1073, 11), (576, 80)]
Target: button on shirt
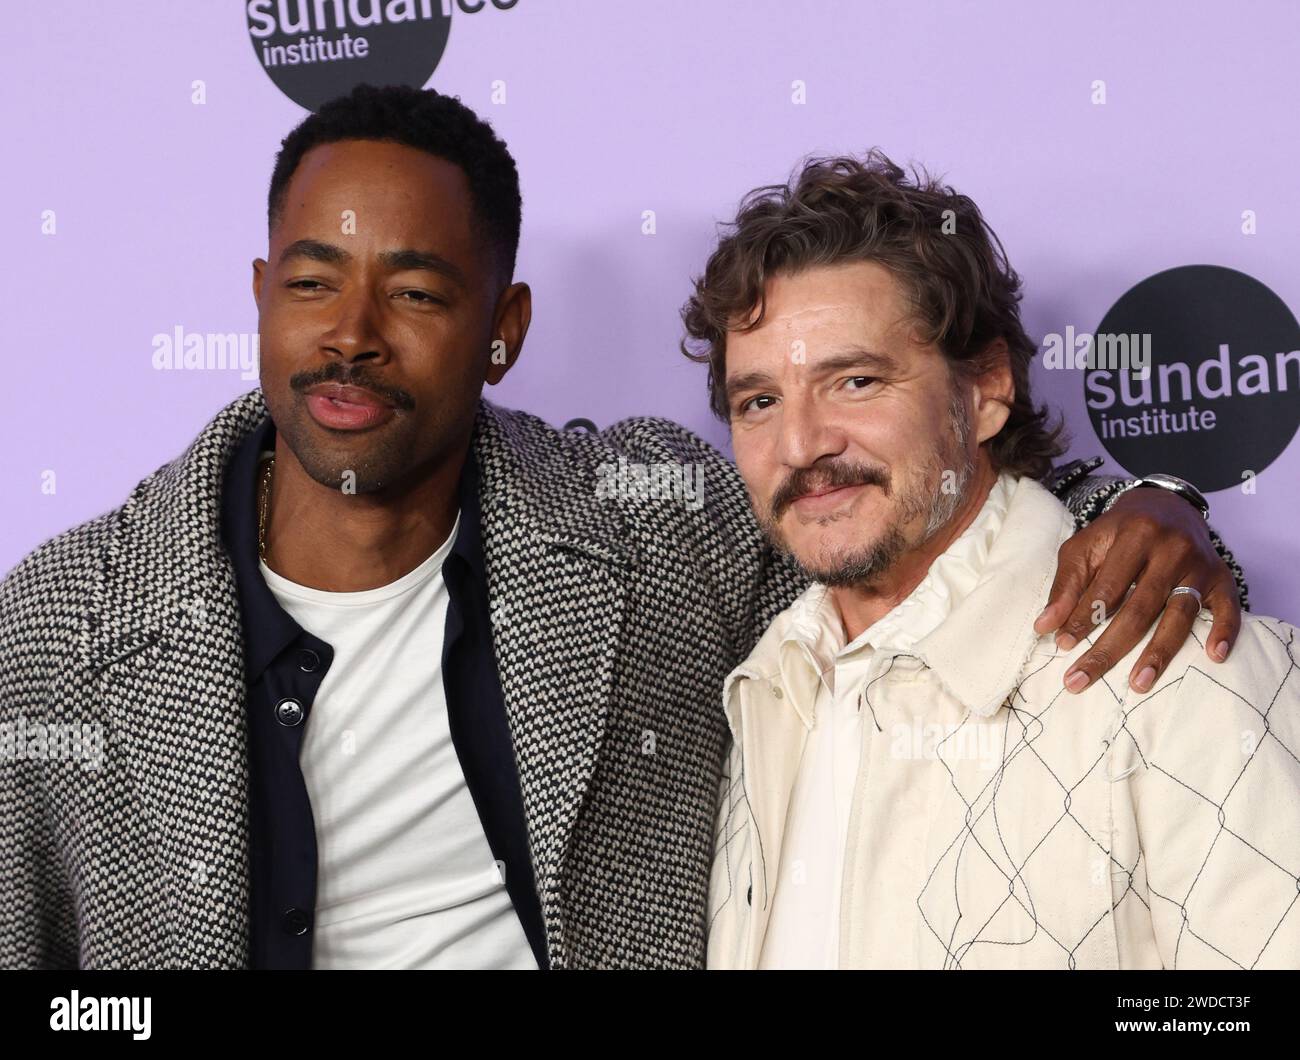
[(804, 928), (439, 796), (406, 876)]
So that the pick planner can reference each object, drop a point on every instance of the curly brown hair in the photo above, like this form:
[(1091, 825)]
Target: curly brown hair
[(933, 240)]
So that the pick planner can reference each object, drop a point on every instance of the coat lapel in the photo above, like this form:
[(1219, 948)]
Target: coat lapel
[(558, 562), (999, 612), (161, 653)]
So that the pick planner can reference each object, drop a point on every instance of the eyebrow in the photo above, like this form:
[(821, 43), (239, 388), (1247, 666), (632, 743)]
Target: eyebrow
[(396, 260), (849, 357)]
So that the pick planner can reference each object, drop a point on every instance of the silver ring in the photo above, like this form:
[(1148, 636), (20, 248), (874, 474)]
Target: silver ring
[(1187, 589)]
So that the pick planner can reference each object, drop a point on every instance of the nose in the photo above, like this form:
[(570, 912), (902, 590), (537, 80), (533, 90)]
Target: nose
[(807, 434), (356, 332)]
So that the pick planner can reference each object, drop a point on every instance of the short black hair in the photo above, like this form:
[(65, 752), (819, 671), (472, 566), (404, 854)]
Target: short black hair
[(428, 121)]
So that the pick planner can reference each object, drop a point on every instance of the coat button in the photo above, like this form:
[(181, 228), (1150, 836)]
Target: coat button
[(295, 922), (288, 712), (308, 660)]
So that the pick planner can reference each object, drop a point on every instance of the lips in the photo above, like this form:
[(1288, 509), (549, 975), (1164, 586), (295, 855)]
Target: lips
[(826, 499), (347, 408)]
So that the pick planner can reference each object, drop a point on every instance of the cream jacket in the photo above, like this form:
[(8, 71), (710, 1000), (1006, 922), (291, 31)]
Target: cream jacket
[(998, 821)]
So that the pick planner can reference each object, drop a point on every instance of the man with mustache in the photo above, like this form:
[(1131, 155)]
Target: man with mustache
[(385, 679), (909, 785)]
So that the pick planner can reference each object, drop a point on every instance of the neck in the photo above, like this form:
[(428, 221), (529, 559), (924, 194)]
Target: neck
[(861, 606), (339, 542)]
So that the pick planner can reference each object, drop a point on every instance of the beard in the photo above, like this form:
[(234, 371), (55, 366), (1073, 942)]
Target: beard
[(930, 494), (353, 464)]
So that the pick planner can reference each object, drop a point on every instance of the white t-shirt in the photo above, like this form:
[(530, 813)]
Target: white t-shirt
[(405, 876)]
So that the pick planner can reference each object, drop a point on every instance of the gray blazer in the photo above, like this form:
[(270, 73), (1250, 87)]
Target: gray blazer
[(615, 623)]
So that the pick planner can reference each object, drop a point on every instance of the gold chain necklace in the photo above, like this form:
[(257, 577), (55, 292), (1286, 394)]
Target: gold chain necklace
[(263, 504)]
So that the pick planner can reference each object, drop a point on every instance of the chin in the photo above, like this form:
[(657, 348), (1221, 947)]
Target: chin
[(335, 470), (846, 561), (826, 556), (833, 538)]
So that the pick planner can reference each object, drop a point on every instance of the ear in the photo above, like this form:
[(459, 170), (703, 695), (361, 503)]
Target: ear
[(995, 390), (258, 265), (513, 314)]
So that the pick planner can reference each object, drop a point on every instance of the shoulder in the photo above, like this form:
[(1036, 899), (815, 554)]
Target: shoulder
[(656, 437), (60, 566), (661, 476), (636, 437), (1262, 661), (1262, 666), (44, 603), (1199, 701)]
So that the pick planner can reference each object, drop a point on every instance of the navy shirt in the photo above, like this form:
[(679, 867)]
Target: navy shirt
[(284, 667)]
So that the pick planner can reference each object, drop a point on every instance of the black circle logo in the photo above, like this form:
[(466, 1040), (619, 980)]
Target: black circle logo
[(1196, 372), (315, 50)]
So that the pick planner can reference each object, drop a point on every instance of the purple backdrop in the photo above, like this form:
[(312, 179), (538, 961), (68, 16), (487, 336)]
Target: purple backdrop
[(611, 109)]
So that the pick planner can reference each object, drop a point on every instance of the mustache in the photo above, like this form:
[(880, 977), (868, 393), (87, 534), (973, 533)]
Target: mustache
[(334, 372), (830, 476)]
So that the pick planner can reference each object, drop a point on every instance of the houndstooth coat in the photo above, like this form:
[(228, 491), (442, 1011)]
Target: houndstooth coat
[(615, 623)]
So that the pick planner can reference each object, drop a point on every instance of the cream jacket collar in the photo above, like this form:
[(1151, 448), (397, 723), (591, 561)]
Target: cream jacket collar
[(979, 648)]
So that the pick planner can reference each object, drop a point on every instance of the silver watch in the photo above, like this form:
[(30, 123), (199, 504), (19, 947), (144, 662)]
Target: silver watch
[(1173, 484)]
